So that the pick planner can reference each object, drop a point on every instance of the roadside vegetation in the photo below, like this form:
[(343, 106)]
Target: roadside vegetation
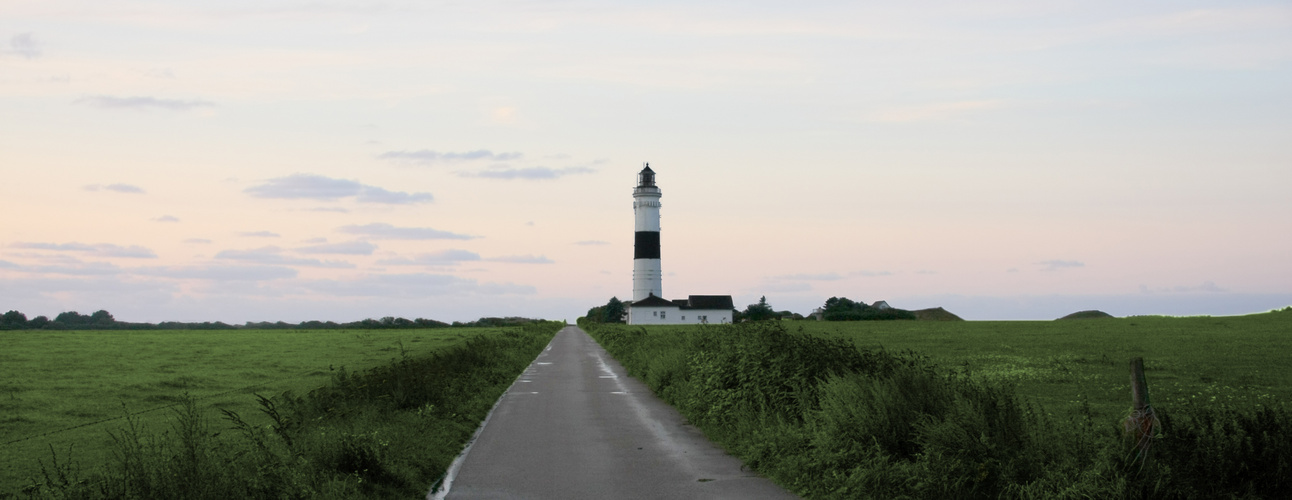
[(833, 415), (103, 320), (383, 432)]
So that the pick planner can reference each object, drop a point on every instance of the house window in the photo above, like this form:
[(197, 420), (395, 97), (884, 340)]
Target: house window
[(654, 313), (683, 318), (661, 314)]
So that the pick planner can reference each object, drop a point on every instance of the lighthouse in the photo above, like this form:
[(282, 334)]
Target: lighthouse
[(649, 307), (646, 268)]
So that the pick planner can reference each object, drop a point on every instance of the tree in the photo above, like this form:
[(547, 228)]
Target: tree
[(37, 323), (102, 319), (71, 319), (13, 320), (759, 312), (613, 311)]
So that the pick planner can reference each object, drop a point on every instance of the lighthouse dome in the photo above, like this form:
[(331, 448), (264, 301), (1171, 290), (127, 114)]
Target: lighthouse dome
[(646, 178)]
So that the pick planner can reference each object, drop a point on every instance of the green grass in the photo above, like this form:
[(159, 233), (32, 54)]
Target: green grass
[(983, 410), (1241, 360), (67, 389)]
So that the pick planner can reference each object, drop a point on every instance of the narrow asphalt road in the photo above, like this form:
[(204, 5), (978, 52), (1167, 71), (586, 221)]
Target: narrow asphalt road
[(575, 426)]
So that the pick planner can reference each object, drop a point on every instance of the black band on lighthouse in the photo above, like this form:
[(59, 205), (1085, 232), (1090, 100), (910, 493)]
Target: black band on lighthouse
[(647, 245)]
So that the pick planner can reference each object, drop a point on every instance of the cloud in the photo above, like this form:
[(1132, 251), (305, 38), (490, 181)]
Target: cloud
[(505, 289), (782, 287), (429, 157), (99, 249), (413, 285), (327, 209), (198, 241), (4, 264), (870, 274), (309, 186), (591, 242), (381, 230), (120, 188), (441, 258), (346, 248), (24, 45), (143, 103), (85, 269), (530, 173), (220, 272), (522, 259), (1055, 265), (167, 218), (318, 187), (259, 234), (273, 256), (372, 194), (810, 277), (1206, 286)]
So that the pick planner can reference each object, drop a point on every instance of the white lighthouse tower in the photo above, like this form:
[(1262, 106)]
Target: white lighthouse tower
[(646, 266)]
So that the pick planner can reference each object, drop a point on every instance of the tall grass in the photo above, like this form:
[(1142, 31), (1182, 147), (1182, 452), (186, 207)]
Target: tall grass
[(830, 420), (382, 433)]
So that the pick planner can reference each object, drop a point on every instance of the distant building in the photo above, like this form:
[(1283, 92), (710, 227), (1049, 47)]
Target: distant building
[(648, 306), (881, 305), (696, 309)]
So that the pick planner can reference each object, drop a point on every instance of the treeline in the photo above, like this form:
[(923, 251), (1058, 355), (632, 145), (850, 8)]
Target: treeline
[(835, 309), (843, 309), (103, 320)]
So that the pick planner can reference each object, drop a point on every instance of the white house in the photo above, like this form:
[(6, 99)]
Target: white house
[(696, 309)]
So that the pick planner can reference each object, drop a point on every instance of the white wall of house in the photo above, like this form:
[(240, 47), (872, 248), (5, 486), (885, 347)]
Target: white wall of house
[(710, 316), (647, 315), (642, 315)]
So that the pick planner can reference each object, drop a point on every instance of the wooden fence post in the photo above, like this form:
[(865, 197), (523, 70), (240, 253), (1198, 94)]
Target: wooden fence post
[(1142, 425), (1139, 385)]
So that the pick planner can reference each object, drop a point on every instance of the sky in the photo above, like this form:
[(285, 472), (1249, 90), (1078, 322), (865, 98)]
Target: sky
[(294, 160)]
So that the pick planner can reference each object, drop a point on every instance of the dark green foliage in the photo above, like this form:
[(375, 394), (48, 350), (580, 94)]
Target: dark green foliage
[(614, 311), (829, 420), (758, 312), (13, 320), (843, 309), (1217, 450), (103, 320), (1088, 315), (389, 432)]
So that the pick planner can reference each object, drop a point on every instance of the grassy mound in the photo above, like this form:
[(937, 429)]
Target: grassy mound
[(936, 314), (1088, 315)]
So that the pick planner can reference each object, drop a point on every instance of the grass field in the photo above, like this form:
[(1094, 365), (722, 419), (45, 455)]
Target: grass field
[(984, 409), (67, 389), (1242, 360)]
